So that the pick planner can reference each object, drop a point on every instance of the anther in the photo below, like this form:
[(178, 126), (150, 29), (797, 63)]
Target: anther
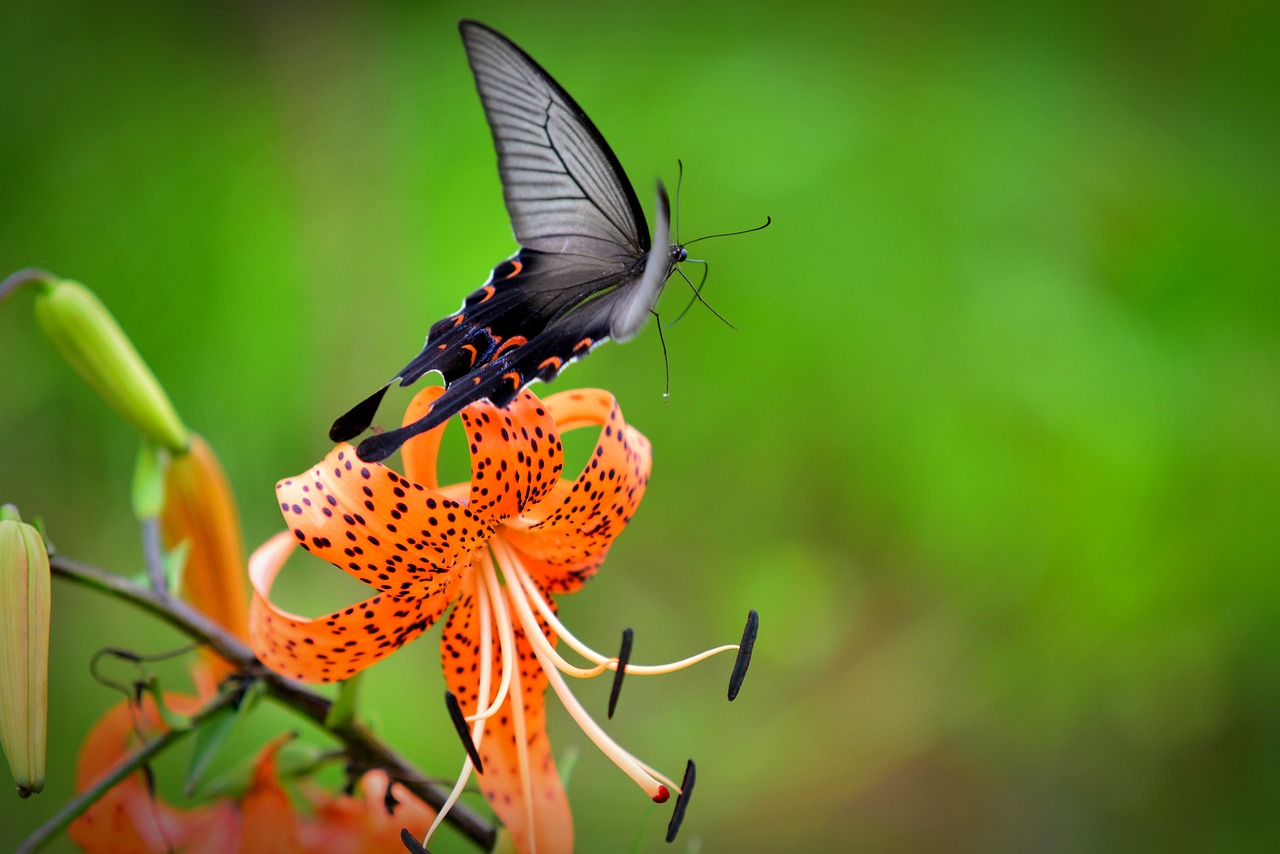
[(744, 654), (460, 723), (411, 842), (624, 656), (682, 802)]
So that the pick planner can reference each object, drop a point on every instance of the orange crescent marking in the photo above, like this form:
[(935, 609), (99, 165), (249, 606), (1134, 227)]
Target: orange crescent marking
[(514, 376), (473, 353), (443, 347), (458, 319), (516, 267), (513, 341), (488, 292), (585, 342), (555, 361), (475, 381)]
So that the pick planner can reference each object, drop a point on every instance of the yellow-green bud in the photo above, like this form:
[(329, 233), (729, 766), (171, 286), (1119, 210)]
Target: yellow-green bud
[(89, 338), (24, 650)]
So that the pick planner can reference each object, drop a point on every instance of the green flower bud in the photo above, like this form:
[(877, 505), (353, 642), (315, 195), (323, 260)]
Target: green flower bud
[(88, 337), (24, 650)]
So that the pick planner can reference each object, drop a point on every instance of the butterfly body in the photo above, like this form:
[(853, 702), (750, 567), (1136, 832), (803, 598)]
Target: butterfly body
[(587, 269)]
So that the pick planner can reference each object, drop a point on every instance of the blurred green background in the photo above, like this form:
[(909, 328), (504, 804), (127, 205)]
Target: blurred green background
[(994, 448)]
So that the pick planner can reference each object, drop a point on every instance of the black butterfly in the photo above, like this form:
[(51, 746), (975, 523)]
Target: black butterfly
[(586, 270)]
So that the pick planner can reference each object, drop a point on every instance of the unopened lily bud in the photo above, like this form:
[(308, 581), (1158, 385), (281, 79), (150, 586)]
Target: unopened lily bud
[(88, 337), (24, 649)]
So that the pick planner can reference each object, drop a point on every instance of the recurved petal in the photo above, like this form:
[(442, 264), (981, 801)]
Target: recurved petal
[(389, 532), (574, 525), (420, 453), (520, 720), (516, 456), (338, 645)]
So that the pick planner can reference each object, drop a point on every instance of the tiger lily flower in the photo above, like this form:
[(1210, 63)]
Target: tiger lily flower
[(130, 819), (497, 548)]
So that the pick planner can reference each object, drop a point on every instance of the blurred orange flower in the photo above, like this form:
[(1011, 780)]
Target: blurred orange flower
[(128, 819)]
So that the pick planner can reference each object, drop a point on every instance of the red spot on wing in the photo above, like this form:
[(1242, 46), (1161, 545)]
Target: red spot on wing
[(513, 341)]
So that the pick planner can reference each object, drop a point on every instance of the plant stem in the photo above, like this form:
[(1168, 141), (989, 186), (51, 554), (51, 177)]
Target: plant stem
[(362, 746), (153, 555)]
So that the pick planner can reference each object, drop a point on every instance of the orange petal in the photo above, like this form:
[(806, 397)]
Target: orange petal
[(268, 820), (337, 645), (362, 823), (390, 533), (419, 454), (565, 537), (502, 783), (516, 456)]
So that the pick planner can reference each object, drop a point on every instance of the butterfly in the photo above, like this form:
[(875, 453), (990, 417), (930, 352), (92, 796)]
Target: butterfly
[(586, 270)]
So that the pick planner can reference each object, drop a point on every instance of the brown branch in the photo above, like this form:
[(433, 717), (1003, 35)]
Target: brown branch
[(363, 747)]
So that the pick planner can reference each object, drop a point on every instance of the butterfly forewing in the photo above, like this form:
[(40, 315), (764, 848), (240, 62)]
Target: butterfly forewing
[(564, 189)]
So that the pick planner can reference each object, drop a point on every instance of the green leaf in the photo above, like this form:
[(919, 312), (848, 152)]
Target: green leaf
[(148, 481), (172, 720), (343, 710), (213, 733), (175, 563), (567, 763)]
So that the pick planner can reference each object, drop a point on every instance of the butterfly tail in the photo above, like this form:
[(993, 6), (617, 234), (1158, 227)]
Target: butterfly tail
[(357, 419), (379, 446)]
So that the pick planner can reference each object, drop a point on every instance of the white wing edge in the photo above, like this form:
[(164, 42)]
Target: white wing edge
[(633, 312)]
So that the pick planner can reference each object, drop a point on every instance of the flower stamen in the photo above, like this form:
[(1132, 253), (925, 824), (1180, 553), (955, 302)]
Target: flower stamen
[(603, 662), (460, 724), (743, 660), (682, 802), (624, 656), (477, 732), (493, 608)]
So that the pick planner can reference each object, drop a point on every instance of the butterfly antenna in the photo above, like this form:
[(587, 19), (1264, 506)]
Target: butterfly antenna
[(679, 182), (697, 293), (767, 221), (666, 363)]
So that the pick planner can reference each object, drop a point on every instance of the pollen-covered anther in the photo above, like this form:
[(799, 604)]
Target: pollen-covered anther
[(624, 656), (682, 802), (743, 661), (460, 724)]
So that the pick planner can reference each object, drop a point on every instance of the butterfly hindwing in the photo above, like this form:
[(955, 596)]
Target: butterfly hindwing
[(541, 357)]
